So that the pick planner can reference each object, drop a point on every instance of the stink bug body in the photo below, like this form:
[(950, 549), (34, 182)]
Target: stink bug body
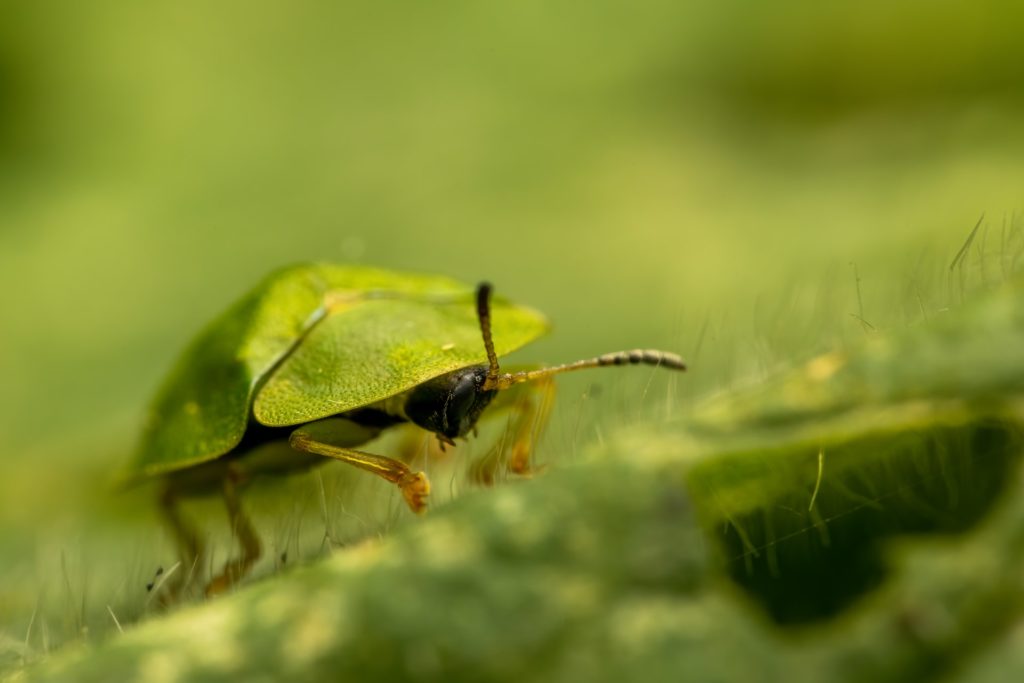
[(324, 358)]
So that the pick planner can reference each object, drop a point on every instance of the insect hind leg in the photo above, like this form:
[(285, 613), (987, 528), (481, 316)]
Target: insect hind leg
[(191, 550), (237, 568)]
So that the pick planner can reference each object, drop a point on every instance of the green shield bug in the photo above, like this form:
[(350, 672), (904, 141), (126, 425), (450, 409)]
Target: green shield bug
[(324, 358)]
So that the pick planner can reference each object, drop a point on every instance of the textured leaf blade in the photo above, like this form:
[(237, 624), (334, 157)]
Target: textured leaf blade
[(946, 373)]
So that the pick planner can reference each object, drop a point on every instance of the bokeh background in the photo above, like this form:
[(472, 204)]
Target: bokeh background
[(746, 183)]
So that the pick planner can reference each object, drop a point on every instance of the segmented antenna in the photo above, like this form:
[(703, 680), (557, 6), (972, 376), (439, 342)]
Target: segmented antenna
[(635, 357), (498, 381), (483, 312)]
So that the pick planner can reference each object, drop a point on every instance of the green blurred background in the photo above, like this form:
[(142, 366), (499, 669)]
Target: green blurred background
[(711, 178)]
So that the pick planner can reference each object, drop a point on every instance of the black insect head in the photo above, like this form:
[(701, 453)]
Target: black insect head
[(451, 404)]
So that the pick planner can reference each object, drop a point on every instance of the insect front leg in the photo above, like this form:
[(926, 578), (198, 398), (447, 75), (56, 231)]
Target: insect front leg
[(534, 411), (322, 438), (529, 409)]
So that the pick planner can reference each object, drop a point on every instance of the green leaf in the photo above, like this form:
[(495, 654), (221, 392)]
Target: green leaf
[(611, 570), (597, 572), (500, 585), (799, 479), (750, 446)]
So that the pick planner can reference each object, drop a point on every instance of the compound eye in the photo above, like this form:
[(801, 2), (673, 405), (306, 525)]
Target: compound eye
[(459, 403), (450, 404)]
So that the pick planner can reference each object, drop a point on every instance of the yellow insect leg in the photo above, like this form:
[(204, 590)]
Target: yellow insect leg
[(236, 569), (529, 407), (190, 547), (414, 485)]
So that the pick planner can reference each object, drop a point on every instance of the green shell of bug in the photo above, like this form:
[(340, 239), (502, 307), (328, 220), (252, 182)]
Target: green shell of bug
[(311, 341)]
